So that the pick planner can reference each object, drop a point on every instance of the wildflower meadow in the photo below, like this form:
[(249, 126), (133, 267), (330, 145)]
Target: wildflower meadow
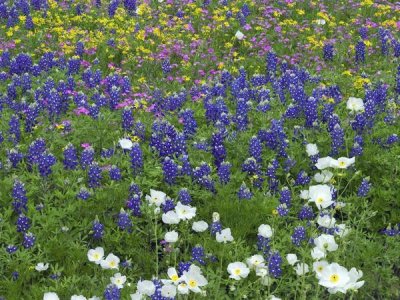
[(199, 149)]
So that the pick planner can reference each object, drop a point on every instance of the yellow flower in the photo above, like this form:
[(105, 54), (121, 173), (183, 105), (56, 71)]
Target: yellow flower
[(347, 72), (60, 126), (300, 12)]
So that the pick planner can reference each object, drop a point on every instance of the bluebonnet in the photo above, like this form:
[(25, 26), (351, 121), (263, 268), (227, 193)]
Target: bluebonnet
[(97, 230), (136, 159), (19, 195), (112, 292), (170, 170), (274, 265), (11, 249), (224, 172), (115, 173), (285, 196), (133, 203), (87, 157), (364, 188), (124, 222), (127, 119), (23, 223), (255, 148), (184, 196), (70, 157), (94, 175), (360, 52), (198, 255), (83, 194), (306, 213), (14, 129), (168, 205), (29, 240), (328, 52), (244, 192), (298, 235), (15, 157)]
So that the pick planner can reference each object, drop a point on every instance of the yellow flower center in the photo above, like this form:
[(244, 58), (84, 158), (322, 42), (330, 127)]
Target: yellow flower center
[(320, 268), (342, 163), (112, 264), (320, 200), (192, 283), (174, 277), (96, 256), (334, 278), (237, 272)]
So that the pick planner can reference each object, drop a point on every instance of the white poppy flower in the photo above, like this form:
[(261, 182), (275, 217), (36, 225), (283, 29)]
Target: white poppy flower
[(343, 162), (238, 270), (324, 162), (319, 266), (265, 231), (326, 242), (323, 177), (156, 197), (171, 237), (118, 280), (194, 279), (224, 236), (125, 144), (170, 217), (146, 287), (292, 259), (185, 212), (111, 262), (199, 226), (317, 253), (50, 296), (168, 291), (326, 221), (41, 267), (96, 255), (355, 104), (320, 195), (255, 261), (334, 276), (304, 194)]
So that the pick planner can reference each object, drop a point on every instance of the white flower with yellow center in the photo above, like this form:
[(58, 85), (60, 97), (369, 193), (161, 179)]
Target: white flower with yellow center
[(111, 262), (319, 267), (41, 267), (238, 270), (125, 144), (255, 261), (194, 279), (185, 212), (326, 221), (326, 242), (173, 277), (96, 255), (118, 280), (343, 162), (156, 198), (170, 217), (334, 276), (317, 253), (321, 195), (50, 296)]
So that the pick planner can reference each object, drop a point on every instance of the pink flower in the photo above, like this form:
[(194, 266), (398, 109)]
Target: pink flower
[(81, 111), (85, 145)]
